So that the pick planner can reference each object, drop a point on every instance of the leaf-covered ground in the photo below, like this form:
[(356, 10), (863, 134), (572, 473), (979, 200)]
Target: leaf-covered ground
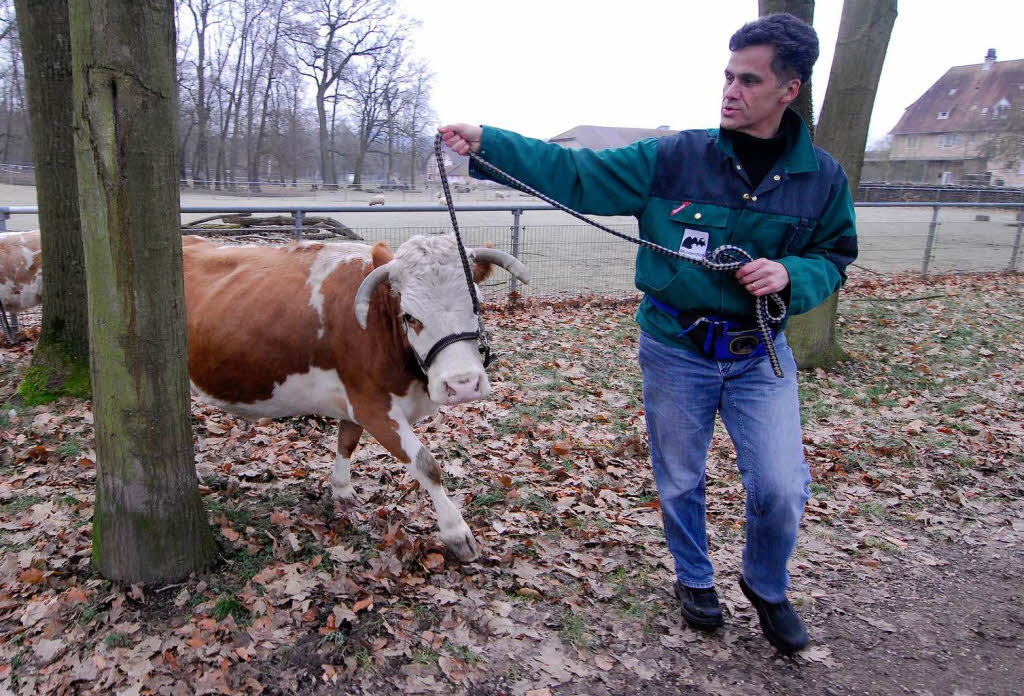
[(907, 572)]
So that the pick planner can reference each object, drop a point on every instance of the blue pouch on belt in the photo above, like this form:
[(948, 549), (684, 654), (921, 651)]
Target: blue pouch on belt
[(723, 338)]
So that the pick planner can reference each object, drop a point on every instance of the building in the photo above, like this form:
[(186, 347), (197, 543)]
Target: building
[(941, 136), (603, 137)]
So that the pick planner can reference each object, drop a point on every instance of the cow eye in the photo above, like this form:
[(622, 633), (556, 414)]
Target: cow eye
[(412, 322)]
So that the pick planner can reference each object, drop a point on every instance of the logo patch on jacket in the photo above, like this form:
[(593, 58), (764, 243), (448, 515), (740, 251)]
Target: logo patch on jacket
[(695, 244)]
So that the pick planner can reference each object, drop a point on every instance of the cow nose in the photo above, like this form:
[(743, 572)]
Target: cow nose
[(462, 389)]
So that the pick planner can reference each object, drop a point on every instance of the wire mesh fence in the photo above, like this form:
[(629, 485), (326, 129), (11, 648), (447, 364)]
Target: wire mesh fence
[(567, 258)]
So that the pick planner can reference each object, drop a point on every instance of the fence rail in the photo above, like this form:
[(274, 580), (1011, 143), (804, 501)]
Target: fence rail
[(930, 237)]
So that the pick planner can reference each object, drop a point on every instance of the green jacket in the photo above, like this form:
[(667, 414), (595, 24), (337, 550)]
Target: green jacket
[(801, 214)]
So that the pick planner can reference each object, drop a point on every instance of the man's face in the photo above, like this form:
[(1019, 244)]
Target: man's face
[(752, 99)]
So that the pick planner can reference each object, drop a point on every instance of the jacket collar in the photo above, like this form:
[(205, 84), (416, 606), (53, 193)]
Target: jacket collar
[(799, 154)]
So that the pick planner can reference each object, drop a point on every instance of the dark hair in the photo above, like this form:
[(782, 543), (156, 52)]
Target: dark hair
[(795, 42)]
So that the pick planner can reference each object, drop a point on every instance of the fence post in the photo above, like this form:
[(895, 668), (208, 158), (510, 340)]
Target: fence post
[(931, 240), (298, 225), (515, 243), (5, 215), (1016, 241)]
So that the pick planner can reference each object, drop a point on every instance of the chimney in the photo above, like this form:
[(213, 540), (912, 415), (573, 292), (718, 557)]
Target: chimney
[(990, 58)]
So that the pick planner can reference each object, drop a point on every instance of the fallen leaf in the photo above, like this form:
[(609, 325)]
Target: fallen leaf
[(31, 576)]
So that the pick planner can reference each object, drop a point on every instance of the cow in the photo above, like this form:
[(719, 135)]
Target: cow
[(21, 276), (377, 200), (343, 330)]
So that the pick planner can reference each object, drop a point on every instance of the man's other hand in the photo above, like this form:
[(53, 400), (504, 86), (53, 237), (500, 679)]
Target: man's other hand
[(763, 277), (461, 137)]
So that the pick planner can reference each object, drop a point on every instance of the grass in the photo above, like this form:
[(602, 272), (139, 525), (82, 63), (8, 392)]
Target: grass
[(485, 500), (117, 640), (425, 657), (230, 605), (465, 653), (70, 448), (19, 504), (572, 629)]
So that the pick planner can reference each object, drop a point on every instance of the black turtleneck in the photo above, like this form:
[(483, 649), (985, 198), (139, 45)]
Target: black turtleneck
[(757, 155)]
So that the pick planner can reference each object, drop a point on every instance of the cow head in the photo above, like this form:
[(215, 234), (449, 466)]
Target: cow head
[(426, 277)]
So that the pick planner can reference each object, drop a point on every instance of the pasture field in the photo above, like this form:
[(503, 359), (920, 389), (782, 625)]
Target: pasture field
[(907, 570), (567, 257)]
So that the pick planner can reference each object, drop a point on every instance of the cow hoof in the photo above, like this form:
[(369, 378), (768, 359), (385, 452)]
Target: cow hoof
[(460, 541), (346, 494)]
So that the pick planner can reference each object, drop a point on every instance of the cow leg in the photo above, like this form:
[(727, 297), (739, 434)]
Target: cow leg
[(397, 436), (455, 533), (341, 477)]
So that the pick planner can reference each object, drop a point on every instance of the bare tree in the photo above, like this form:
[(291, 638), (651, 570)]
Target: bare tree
[(201, 11), (326, 38), (263, 68), (1006, 146), (14, 137), (372, 87), (416, 116), (149, 524), (61, 356), (864, 31), (804, 10)]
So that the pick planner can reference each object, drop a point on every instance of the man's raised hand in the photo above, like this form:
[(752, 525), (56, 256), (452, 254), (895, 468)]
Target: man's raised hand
[(461, 137)]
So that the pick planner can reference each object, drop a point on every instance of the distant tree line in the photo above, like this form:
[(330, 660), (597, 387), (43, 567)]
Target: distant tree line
[(284, 91)]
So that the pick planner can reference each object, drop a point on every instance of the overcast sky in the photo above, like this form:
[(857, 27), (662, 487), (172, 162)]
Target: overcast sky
[(541, 67)]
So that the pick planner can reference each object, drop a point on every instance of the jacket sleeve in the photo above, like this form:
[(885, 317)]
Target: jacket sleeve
[(820, 268), (596, 182)]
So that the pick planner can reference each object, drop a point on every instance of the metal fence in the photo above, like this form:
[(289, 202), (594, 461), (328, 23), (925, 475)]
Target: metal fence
[(566, 257)]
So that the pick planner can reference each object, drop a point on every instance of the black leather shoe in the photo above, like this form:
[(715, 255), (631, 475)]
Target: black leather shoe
[(780, 623), (700, 607)]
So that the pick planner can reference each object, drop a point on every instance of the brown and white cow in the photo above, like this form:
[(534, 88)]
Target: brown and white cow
[(335, 330), (21, 274)]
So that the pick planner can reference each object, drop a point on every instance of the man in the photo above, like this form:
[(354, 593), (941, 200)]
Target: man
[(757, 183)]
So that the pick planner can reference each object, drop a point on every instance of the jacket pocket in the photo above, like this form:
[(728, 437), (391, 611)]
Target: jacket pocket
[(663, 275), (799, 236), (770, 236)]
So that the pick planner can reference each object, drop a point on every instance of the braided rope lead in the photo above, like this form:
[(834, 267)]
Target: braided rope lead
[(5, 328), (485, 347), (724, 258)]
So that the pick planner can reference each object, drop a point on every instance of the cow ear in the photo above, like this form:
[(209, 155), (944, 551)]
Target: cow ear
[(482, 269), (382, 254)]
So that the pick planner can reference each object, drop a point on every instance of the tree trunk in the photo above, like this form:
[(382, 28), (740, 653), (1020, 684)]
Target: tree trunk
[(864, 32), (801, 9), (326, 161), (201, 158), (60, 360), (149, 524)]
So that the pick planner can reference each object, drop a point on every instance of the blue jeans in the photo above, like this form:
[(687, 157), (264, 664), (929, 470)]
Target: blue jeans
[(682, 393)]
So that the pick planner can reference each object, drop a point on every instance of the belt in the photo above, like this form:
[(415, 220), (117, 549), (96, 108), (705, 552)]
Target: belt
[(720, 338)]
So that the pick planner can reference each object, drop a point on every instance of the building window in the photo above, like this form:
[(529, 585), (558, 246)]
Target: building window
[(947, 178), (912, 141), (952, 91), (1020, 168), (949, 139), (943, 115), (984, 109)]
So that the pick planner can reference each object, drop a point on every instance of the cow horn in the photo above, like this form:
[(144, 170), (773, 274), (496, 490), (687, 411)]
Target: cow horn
[(507, 261), (365, 291)]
